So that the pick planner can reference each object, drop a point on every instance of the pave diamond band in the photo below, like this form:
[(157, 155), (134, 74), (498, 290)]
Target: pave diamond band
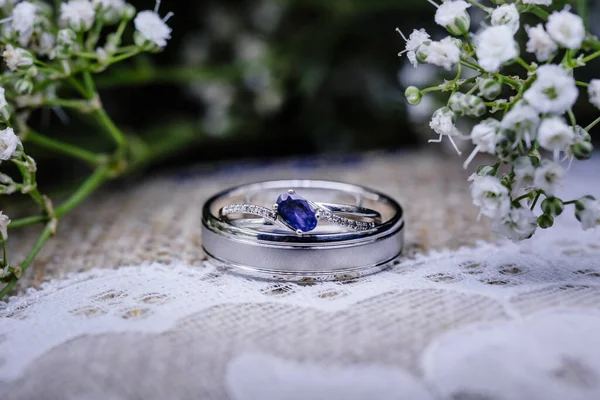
[(322, 213)]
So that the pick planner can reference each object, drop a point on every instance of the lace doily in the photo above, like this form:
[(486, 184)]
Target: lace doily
[(495, 321)]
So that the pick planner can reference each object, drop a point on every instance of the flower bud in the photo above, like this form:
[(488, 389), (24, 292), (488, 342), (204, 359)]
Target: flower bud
[(582, 150), (141, 41), (66, 36), (32, 72), (457, 42), (466, 104), (490, 88), (580, 204), (422, 52), (457, 103), (507, 180), (413, 95), (24, 86), (453, 16), (545, 221), (553, 206), (475, 106), (486, 170), (65, 43), (128, 12)]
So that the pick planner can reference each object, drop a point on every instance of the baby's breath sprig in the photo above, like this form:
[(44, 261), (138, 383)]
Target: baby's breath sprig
[(51, 54), (536, 132)]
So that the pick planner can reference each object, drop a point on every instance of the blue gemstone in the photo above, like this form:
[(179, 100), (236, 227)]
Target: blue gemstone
[(296, 212)]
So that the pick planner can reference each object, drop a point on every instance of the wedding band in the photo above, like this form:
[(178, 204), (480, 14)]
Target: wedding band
[(366, 236)]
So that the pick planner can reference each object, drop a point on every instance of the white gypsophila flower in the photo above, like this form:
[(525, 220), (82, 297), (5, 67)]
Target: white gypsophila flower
[(23, 21), (524, 171), (495, 46), (453, 15), (554, 90), (16, 57), (555, 135), (8, 143), (444, 53), (442, 123), (485, 136), (566, 29), (152, 27), (4, 222), (490, 195), (548, 176), (588, 212), (538, 2), (413, 42), (78, 14), (519, 224), (523, 120), (594, 92), (506, 14), (540, 43)]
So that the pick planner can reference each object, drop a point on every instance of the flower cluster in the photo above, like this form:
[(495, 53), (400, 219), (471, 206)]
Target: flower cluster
[(526, 121), (49, 55)]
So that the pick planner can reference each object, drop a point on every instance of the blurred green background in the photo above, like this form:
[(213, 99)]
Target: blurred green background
[(270, 78)]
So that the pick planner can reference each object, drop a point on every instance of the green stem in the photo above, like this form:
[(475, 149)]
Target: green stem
[(458, 75), (566, 203), (582, 9), (522, 62), (511, 82), (518, 199), (75, 83), (88, 83), (535, 200), (572, 117), (590, 126), (80, 105), (108, 125), (473, 89), (591, 57), (471, 65), (62, 147), (99, 175), (6, 289), (582, 84), (19, 223), (46, 233), (477, 4), (543, 14), (125, 56)]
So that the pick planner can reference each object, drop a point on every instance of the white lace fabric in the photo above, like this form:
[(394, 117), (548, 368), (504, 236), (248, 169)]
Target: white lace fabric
[(496, 322)]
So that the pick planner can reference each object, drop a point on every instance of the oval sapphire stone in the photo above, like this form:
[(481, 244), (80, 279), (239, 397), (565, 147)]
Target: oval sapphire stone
[(296, 212)]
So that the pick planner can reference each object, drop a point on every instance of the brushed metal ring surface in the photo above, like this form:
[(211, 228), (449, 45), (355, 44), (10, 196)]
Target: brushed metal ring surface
[(323, 254)]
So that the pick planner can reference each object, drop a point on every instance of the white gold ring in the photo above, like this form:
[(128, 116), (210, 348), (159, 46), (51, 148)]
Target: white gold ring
[(343, 231)]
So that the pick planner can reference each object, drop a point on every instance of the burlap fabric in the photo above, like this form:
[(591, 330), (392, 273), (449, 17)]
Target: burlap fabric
[(158, 219)]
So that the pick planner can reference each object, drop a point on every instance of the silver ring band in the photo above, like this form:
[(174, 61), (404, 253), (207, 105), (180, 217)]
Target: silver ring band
[(323, 254)]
